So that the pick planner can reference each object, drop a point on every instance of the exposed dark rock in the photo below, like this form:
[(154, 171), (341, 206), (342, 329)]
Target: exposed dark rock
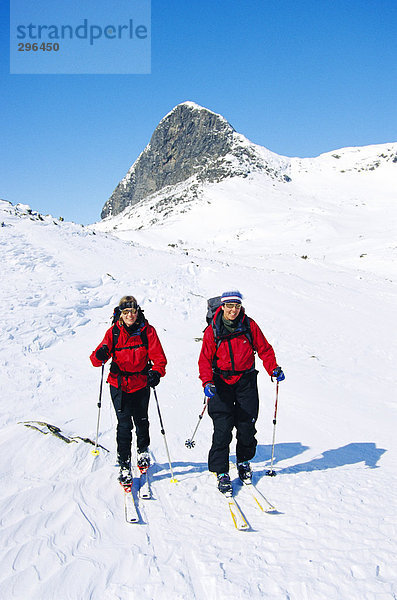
[(190, 142)]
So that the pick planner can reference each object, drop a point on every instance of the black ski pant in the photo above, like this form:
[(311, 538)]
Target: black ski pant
[(234, 405), (134, 411)]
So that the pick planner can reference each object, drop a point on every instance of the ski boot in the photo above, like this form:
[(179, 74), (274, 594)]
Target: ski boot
[(244, 471), (224, 484), (125, 476), (143, 461)]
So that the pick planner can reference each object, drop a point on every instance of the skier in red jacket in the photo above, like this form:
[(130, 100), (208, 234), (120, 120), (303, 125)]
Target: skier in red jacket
[(138, 362), (227, 371)]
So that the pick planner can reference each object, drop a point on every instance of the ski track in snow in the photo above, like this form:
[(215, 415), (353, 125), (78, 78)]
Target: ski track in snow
[(63, 533)]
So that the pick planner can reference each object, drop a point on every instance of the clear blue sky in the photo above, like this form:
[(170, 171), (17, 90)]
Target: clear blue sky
[(300, 77)]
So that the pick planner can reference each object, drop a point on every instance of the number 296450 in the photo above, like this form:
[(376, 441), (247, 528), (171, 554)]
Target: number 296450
[(43, 47)]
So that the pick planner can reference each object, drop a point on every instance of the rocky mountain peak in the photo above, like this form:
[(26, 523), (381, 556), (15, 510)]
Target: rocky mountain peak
[(190, 143)]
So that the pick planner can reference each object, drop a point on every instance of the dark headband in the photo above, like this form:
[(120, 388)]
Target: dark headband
[(129, 304)]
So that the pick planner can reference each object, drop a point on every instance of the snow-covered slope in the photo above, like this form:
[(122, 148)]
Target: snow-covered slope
[(338, 207), (313, 211), (330, 318)]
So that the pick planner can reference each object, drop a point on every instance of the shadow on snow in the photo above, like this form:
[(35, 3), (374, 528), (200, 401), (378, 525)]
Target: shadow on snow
[(353, 453)]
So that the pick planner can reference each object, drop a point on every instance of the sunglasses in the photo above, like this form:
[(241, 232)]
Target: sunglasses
[(232, 305), (128, 310)]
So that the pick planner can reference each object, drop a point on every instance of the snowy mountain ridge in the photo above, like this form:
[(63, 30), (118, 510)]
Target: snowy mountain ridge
[(357, 158), (194, 150), (310, 216), (191, 141)]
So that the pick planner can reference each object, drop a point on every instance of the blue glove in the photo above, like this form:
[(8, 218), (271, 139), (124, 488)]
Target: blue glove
[(278, 374), (209, 390)]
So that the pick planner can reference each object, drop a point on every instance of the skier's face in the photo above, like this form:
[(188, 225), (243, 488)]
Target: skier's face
[(231, 310), (129, 316)]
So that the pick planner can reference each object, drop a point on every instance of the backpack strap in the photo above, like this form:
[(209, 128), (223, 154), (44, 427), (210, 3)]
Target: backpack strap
[(115, 338), (142, 334), (245, 330), (114, 368)]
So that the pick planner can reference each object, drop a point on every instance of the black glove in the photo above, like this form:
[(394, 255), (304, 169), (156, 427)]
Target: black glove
[(153, 378), (102, 353)]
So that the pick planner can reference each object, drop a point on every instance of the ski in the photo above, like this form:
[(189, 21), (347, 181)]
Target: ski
[(261, 501), (238, 518), (144, 486), (130, 509)]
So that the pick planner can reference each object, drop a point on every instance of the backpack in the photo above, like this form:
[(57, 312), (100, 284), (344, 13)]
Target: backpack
[(212, 306)]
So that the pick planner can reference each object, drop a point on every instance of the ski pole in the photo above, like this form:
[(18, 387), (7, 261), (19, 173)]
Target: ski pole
[(271, 472), (190, 442), (165, 439), (95, 452)]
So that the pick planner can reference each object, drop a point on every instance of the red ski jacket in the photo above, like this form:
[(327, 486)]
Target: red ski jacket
[(234, 353), (131, 357)]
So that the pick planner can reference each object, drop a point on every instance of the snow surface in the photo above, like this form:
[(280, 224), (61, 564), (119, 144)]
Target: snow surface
[(331, 319)]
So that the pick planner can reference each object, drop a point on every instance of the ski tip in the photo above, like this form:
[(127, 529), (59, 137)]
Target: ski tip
[(174, 480), (95, 452)]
